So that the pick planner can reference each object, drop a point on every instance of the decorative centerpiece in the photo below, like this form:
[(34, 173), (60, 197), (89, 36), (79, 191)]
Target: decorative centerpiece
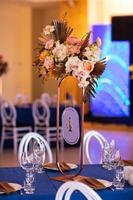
[(60, 55)]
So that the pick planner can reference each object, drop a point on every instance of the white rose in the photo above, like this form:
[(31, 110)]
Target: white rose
[(60, 52)]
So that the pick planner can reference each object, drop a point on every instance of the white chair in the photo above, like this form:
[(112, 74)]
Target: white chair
[(24, 144), (69, 187), (10, 130), (45, 97), (41, 115), (21, 99), (87, 139)]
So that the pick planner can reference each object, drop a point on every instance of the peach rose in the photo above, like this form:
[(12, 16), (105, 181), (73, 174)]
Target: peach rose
[(88, 66), (43, 54)]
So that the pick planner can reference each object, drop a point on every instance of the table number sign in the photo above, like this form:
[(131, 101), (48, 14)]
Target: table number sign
[(70, 126)]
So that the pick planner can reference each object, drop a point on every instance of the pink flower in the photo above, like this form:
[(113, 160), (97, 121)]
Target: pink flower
[(73, 49), (49, 44), (74, 41), (48, 62)]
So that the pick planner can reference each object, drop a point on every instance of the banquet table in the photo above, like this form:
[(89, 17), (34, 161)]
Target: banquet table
[(46, 188), (24, 115)]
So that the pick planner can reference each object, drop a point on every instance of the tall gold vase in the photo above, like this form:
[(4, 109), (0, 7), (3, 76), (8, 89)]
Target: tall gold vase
[(81, 137)]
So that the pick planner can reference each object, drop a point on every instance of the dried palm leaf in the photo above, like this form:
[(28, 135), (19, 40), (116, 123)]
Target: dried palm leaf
[(3, 68), (90, 89), (85, 43), (99, 68), (62, 30)]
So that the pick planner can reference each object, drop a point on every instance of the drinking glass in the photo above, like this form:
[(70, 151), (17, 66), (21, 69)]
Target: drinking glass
[(106, 156), (118, 180), (108, 153), (27, 165)]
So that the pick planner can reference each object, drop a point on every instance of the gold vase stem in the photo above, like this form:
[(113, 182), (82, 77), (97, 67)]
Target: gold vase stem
[(82, 129), (57, 124)]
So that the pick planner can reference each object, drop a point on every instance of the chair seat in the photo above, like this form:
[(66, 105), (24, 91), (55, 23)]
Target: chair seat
[(41, 126), (19, 126)]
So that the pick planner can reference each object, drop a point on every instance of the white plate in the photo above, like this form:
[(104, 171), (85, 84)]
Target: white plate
[(15, 186), (71, 165), (105, 182)]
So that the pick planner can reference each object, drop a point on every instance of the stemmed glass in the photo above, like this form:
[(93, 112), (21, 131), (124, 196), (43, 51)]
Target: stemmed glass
[(39, 155), (27, 165)]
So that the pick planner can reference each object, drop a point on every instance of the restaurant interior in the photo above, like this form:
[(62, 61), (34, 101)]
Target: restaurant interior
[(84, 114)]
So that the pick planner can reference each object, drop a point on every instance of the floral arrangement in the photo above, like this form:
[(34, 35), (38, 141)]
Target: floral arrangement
[(60, 54), (3, 66)]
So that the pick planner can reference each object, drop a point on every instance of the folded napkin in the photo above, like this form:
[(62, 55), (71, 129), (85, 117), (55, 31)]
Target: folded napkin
[(6, 188), (64, 166), (128, 162), (91, 182)]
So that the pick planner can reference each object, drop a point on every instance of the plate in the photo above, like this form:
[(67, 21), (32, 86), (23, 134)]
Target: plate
[(105, 182), (16, 187), (71, 165)]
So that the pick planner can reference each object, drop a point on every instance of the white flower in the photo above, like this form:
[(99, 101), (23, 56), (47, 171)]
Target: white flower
[(92, 53), (60, 52), (48, 29), (83, 83), (73, 64), (76, 66)]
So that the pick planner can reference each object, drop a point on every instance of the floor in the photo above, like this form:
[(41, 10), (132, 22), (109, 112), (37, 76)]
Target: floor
[(123, 136)]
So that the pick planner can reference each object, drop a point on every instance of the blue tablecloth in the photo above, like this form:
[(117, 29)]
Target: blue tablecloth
[(46, 189)]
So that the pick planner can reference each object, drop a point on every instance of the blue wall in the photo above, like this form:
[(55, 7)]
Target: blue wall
[(113, 91)]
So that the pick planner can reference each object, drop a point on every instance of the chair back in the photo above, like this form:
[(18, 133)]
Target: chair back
[(45, 97), (8, 114), (69, 187), (41, 113), (87, 139), (24, 144)]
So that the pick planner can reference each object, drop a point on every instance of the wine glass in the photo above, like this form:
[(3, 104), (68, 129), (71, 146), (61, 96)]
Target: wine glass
[(39, 155)]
